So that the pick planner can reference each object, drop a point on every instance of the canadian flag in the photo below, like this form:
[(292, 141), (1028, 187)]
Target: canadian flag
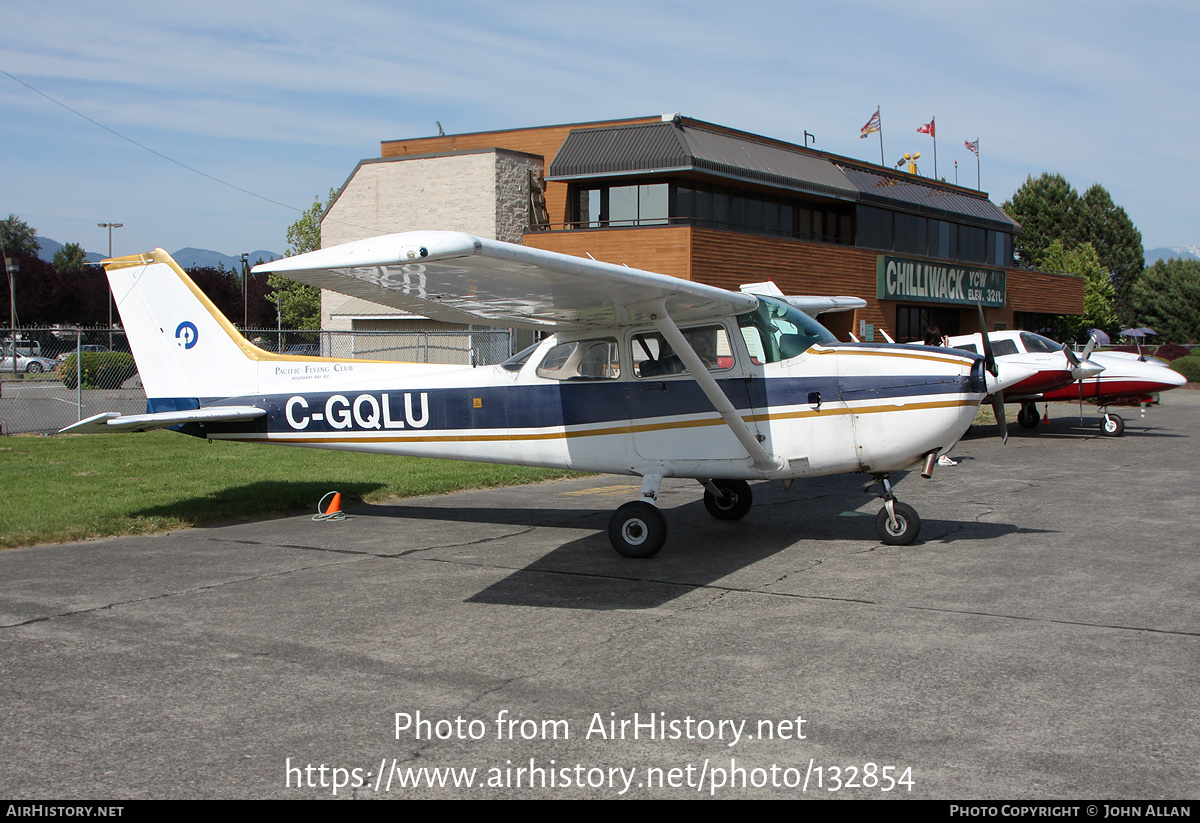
[(927, 128)]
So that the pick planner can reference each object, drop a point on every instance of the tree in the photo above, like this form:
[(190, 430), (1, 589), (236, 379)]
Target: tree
[(1117, 241), (18, 236), (1050, 209), (70, 259), (300, 305), (1047, 209), (1167, 299), (1098, 312)]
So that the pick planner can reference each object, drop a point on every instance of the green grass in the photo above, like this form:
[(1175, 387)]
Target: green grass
[(75, 487)]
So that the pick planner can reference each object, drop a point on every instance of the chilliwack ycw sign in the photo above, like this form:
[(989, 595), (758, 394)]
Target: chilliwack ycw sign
[(921, 281)]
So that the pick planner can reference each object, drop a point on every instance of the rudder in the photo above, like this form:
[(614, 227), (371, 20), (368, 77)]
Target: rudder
[(185, 349)]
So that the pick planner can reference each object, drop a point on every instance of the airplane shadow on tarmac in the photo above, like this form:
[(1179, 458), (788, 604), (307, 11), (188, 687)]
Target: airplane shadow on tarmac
[(1064, 428), (816, 520)]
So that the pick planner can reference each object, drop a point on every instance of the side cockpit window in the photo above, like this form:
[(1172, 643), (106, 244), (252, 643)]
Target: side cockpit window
[(582, 360), (654, 357)]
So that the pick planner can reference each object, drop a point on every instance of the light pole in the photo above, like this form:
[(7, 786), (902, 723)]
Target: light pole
[(11, 266), (110, 227), (245, 291)]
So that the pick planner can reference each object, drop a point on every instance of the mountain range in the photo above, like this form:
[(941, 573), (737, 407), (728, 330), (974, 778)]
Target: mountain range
[(187, 258), (1169, 252)]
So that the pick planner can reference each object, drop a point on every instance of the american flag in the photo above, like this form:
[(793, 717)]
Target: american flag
[(974, 147), (927, 128), (872, 125)]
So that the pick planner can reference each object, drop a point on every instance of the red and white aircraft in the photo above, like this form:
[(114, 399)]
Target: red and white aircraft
[(644, 375), (1105, 378)]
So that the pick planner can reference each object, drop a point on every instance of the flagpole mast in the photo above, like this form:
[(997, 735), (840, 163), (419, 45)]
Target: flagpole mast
[(933, 134), (878, 109)]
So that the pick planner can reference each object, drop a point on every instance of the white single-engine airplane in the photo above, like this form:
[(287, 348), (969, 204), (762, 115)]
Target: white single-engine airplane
[(645, 375), (1104, 378)]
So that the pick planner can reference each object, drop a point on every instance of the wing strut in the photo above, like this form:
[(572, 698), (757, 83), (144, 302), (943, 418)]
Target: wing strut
[(761, 459)]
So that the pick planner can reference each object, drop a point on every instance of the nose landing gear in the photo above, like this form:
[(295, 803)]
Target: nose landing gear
[(897, 524)]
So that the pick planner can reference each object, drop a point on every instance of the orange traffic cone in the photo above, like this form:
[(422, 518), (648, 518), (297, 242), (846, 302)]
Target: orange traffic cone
[(1045, 416), (334, 512)]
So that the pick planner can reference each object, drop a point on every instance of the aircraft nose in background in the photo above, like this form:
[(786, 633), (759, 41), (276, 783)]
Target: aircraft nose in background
[(1009, 374)]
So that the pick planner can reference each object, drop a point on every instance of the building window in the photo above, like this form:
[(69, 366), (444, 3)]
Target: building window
[(622, 206)]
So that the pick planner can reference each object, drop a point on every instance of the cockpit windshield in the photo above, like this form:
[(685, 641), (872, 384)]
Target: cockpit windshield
[(777, 331), (1036, 343)]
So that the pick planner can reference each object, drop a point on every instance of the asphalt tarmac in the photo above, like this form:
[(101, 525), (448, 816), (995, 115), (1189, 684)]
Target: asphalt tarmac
[(1041, 640)]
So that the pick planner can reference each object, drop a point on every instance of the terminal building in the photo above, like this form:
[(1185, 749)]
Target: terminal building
[(704, 202)]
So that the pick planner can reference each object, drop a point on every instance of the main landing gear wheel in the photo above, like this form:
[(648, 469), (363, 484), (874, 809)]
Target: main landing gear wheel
[(733, 504), (637, 529), (1028, 416), (907, 526), (1112, 426)]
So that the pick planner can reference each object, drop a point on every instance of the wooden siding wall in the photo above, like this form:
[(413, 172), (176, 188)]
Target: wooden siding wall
[(543, 141), (665, 250), (1046, 293), (728, 259)]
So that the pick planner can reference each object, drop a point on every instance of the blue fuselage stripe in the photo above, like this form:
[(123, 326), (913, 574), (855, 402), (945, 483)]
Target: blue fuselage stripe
[(545, 406)]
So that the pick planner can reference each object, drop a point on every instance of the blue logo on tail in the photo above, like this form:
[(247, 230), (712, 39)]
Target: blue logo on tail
[(187, 334)]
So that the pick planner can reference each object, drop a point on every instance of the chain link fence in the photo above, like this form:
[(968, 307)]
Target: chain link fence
[(59, 376)]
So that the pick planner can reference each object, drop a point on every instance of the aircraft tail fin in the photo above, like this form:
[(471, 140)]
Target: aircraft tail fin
[(185, 349)]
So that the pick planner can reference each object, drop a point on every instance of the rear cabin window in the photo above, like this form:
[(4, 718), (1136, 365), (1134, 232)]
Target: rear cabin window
[(582, 360)]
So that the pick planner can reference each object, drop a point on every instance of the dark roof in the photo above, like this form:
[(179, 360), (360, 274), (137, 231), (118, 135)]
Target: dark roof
[(891, 192), (675, 147), (684, 146)]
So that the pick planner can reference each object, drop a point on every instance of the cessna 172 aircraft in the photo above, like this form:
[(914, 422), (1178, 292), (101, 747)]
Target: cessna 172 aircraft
[(645, 375), (1105, 378)]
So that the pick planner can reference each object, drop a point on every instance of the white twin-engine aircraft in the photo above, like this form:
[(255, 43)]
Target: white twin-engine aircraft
[(645, 375)]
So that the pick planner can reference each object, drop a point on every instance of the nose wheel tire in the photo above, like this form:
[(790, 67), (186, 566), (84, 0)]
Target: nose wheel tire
[(1028, 416), (1112, 426), (637, 530), (906, 529), (735, 500)]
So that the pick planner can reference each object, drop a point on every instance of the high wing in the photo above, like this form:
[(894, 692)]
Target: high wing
[(460, 278)]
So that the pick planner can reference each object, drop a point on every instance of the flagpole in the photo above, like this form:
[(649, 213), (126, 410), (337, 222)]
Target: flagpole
[(978, 186), (880, 109)]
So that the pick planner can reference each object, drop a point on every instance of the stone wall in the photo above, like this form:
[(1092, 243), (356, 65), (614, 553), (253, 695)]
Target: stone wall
[(483, 192)]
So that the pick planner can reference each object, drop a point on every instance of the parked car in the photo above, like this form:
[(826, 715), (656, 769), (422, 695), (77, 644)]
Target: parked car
[(24, 347), (26, 363), (84, 349)]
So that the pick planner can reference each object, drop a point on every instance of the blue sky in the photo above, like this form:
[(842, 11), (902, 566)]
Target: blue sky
[(282, 99)]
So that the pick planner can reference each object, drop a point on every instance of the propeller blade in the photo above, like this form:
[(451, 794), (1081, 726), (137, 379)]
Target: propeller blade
[(998, 410), (989, 357), (1072, 357), (1087, 352)]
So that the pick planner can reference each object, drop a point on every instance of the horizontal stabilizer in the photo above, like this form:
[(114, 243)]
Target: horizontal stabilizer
[(115, 422)]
